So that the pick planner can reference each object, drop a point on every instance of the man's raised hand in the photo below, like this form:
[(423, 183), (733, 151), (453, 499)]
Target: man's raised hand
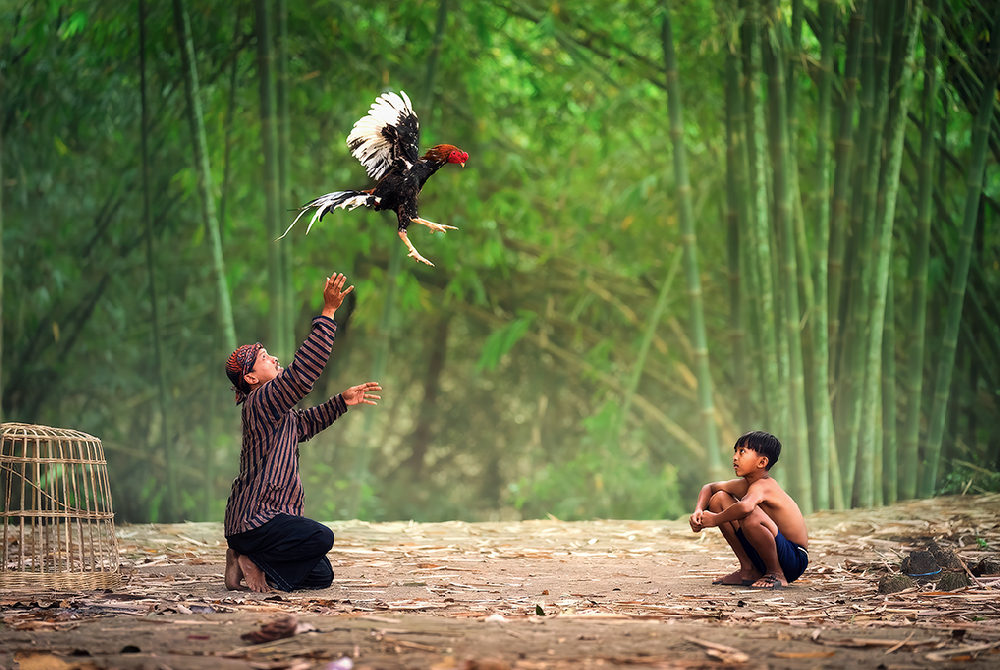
[(362, 393), (333, 293)]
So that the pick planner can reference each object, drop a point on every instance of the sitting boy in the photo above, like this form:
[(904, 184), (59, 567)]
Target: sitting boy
[(761, 522)]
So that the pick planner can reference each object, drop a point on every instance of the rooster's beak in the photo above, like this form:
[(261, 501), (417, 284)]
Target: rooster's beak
[(462, 164)]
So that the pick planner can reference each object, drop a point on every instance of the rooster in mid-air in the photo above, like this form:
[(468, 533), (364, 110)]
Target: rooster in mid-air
[(387, 142)]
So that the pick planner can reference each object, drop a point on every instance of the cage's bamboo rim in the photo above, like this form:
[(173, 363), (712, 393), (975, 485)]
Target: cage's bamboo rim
[(12, 430)]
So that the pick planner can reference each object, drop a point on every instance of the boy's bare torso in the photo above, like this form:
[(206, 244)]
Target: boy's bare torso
[(777, 504)]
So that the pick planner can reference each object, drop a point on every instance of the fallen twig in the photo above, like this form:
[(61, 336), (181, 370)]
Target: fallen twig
[(897, 646), (951, 653), (730, 653)]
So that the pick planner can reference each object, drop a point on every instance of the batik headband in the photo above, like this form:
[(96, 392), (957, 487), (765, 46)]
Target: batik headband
[(239, 365)]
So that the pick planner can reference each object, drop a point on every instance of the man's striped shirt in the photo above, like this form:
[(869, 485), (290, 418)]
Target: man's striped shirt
[(269, 482)]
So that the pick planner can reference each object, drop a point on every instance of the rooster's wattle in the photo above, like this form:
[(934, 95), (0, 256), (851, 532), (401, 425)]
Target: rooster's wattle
[(387, 142)]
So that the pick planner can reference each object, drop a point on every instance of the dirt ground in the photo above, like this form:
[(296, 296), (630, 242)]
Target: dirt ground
[(542, 594)]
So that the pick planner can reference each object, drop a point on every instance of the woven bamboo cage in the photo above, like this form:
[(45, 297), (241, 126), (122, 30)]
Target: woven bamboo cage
[(58, 523)]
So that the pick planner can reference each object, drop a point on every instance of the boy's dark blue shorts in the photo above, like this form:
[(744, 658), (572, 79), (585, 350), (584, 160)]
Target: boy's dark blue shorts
[(792, 558)]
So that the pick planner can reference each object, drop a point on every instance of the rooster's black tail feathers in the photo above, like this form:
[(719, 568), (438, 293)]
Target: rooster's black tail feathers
[(331, 201)]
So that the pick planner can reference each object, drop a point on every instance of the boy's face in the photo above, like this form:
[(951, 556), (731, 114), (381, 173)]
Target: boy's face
[(264, 369), (747, 460)]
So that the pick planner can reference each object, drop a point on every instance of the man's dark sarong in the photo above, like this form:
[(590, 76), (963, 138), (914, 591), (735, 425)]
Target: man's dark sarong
[(291, 550)]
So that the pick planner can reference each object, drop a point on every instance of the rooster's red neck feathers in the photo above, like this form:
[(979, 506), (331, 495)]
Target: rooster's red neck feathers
[(446, 153)]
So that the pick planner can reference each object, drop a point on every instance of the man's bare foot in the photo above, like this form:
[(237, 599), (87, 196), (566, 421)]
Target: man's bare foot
[(253, 575), (234, 573), (738, 579), (772, 581)]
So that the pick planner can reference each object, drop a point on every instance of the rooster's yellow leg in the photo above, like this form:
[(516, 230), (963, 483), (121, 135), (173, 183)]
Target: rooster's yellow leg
[(435, 227), (413, 250)]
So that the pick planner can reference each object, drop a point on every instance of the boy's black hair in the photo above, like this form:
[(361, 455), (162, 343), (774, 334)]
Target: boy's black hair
[(763, 443)]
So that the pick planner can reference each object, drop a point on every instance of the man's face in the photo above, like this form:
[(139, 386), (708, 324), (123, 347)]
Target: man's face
[(264, 369), (746, 460)]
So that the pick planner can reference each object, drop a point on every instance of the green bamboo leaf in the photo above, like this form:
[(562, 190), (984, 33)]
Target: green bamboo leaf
[(73, 25), (503, 340)]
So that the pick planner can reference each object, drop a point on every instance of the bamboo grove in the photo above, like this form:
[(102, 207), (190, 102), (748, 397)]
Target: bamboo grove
[(831, 232), (680, 221)]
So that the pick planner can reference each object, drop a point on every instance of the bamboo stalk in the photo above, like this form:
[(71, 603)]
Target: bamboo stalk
[(774, 395), (278, 328), (822, 411), (283, 194), (842, 171), (844, 328), (742, 279), (890, 460), (774, 63), (804, 274), (863, 223), (676, 114), (165, 446), (200, 145), (918, 266)]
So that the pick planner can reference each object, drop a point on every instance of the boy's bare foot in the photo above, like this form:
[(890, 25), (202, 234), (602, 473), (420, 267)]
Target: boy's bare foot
[(234, 573), (253, 575), (737, 579), (772, 581)]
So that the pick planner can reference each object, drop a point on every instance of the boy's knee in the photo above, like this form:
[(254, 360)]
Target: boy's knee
[(719, 501), (758, 521)]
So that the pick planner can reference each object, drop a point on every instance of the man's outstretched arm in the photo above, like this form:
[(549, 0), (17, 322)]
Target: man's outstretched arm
[(320, 417)]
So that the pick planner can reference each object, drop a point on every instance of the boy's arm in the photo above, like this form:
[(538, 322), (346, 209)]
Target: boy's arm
[(735, 487), (754, 495)]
